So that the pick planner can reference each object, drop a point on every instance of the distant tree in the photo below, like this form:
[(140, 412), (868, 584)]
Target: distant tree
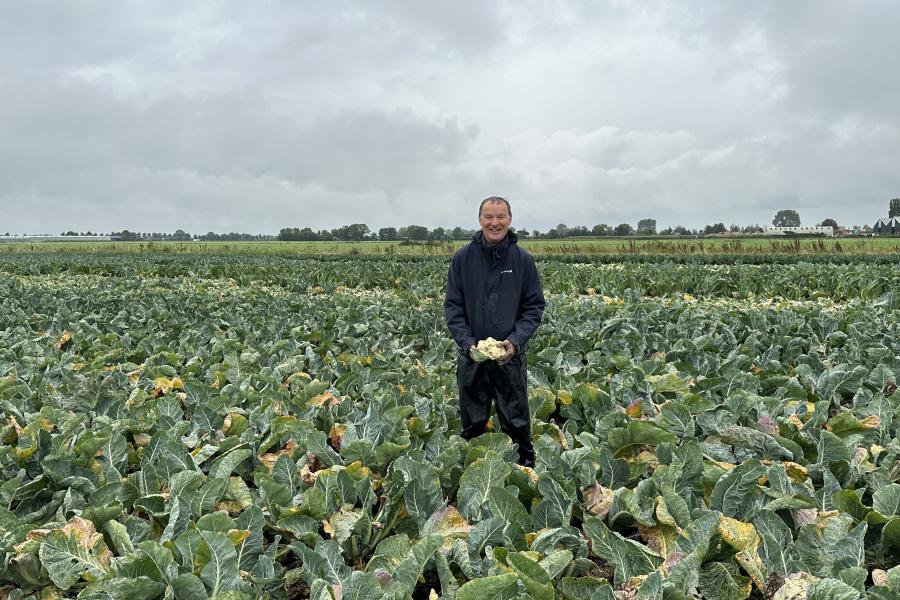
[(535, 233), (307, 235), (755, 228), (894, 208), (181, 236), (624, 229), (829, 223), (734, 228), (438, 234), (560, 231), (578, 231), (680, 230), (523, 234), (715, 228), (786, 218), (126, 236), (601, 230), (458, 233), (416, 232), (358, 232), (387, 234), (646, 227)]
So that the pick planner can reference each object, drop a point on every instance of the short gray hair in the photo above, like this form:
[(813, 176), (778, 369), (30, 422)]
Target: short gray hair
[(494, 200)]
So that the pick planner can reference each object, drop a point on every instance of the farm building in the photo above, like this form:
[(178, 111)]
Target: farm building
[(889, 226), (825, 231)]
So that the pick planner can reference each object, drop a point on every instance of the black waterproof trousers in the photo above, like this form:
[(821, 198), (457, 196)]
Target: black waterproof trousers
[(480, 384)]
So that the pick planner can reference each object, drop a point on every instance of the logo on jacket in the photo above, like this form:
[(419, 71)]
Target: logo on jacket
[(506, 271)]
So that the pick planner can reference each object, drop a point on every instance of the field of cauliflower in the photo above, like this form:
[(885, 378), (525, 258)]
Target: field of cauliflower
[(203, 426)]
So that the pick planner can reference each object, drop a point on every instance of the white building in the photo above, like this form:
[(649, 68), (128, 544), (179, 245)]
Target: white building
[(824, 231)]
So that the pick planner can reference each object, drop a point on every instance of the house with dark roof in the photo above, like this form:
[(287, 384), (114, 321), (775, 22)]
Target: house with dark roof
[(890, 226)]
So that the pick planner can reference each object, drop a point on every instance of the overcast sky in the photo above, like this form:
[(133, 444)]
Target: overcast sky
[(252, 116)]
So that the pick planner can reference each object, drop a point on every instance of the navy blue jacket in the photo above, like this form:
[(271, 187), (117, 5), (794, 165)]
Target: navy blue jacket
[(493, 291)]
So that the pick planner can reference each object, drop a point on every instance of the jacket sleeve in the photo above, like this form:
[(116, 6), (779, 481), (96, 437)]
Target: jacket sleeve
[(531, 308), (455, 307)]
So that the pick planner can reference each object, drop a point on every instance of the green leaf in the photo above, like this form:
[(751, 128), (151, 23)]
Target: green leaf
[(696, 537), (532, 575), (651, 588), (323, 562), (629, 558), (831, 589), (667, 383), (410, 569), (736, 491), (125, 588), (489, 531), (637, 433), (476, 483), (188, 586), (890, 536), (161, 558), (585, 588), (614, 472), (555, 509), (831, 545), (285, 472), (497, 587), (119, 536), (763, 444), (223, 467), (723, 581), (556, 562), (449, 584), (361, 586), (504, 504), (887, 500), (848, 501), (179, 516), (216, 521), (422, 495), (777, 549), (676, 418), (70, 552), (204, 500), (219, 570), (252, 520)]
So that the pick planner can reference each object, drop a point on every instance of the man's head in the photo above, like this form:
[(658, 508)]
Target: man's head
[(495, 217)]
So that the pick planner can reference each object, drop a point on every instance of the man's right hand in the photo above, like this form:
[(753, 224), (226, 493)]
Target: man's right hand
[(476, 355)]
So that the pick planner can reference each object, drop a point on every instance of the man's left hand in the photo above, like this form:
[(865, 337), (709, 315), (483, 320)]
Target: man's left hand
[(510, 352)]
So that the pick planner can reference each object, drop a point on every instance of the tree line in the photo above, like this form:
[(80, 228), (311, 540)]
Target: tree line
[(359, 232)]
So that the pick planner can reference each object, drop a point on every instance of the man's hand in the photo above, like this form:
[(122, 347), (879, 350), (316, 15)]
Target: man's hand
[(476, 354), (510, 352)]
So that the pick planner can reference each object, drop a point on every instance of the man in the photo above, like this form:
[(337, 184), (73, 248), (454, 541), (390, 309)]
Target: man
[(493, 290)]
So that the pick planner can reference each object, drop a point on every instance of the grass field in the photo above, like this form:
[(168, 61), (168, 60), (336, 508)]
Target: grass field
[(569, 246)]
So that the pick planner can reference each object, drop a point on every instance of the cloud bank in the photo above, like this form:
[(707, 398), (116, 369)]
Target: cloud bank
[(231, 117)]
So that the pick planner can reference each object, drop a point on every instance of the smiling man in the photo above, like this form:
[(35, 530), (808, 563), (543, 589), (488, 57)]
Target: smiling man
[(494, 290)]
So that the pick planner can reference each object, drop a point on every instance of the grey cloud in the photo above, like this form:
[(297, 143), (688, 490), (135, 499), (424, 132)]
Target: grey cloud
[(234, 116)]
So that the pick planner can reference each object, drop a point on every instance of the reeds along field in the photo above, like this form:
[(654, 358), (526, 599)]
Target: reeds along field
[(628, 245)]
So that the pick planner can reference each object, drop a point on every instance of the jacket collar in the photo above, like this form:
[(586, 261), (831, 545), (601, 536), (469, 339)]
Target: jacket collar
[(511, 238)]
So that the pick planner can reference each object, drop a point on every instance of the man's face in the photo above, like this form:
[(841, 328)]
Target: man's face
[(495, 221)]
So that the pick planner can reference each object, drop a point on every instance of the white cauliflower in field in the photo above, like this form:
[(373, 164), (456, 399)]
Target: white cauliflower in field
[(489, 349)]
